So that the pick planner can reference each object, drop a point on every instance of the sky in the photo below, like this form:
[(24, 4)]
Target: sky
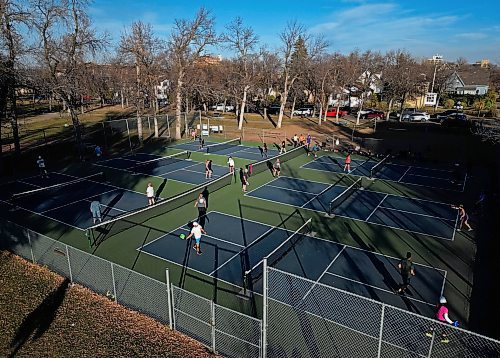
[(453, 29)]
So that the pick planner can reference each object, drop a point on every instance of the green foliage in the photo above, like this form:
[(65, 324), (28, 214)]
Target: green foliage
[(383, 105), (449, 103)]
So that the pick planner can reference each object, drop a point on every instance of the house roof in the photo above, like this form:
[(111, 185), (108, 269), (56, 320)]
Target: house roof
[(473, 75)]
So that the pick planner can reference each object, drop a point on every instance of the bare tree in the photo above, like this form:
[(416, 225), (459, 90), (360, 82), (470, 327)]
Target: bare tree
[(242, 40), (67, 40), (188, 41), (267, 76)]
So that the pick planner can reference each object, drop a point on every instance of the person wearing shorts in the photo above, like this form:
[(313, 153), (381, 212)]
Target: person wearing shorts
[(315, 150), (302, 139), (277, 168), (406, 270), (295, 140), (463, 216), (95, 209), (347, 165), (196, 232), (150, 193), (244, 179), (230, 163), (283, 147), (208, 169), (41, 167), (201, 204), (442, 315)]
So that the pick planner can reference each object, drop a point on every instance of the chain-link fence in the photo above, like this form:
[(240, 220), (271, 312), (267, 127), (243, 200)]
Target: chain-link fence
[(225, 331), (323, 321)]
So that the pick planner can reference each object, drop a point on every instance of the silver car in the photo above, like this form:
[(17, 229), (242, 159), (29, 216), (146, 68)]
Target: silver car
[(416, 117)]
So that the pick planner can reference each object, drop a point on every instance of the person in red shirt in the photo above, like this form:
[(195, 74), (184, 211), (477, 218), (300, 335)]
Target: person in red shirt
[(442, 316), (347, 165)]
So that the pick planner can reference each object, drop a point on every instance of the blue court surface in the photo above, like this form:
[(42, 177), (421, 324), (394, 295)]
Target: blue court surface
[(183, 170), (448, 179), (413, 215), (233, 244), (70, 204), (238, 151)]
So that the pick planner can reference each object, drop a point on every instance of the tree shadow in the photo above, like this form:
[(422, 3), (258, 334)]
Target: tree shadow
[(38, 321)]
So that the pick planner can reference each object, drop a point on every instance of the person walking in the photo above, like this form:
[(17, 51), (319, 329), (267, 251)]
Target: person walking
[(315, 150), (442, 315), (283, 147), (277, 168), (230, 163), (308, 140), (462, 215), (261, 151), (265, 150), (201, 204), (150, 193), (347, 165), (208, 169), (95, 209), (406, 270), (196, 231), (41, 167)]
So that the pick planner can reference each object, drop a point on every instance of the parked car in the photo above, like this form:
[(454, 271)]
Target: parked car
[(333, 112), (417, 117), (220, 107), (365, 111), (445, 114), (303, 112), (455, 120), (374, 114), (274, 109)]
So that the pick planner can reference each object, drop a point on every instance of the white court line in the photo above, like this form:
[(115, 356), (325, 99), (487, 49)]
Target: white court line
[(75, 201), (295, 190), (402, 176), (215, 238), (414, 213), (373, 211), (317, 195), (379, 288), (465, 180), (324, 272), (455, 227), (444, 282)]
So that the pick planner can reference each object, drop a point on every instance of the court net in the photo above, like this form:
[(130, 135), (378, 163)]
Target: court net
[(159, 162), (100, 232), (97, 178), (256, 271), (377, 167), (267, 164), (342, 197), (212, 148)]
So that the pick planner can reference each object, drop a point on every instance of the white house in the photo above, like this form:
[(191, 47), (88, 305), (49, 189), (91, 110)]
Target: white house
[(469, 80)]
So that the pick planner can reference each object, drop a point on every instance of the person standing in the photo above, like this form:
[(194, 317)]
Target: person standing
[(208, 169), (265, 150), (463, 216), (295, 140), (302, 139), (95, 209), (201, 204), (308, 140), (244, 179), (196, 231), (230, 163), (347, 165), (277, 168), (442, 315), (98, 151), (150, 193), (261, 151), (283, 147), (193, 135), (41, 167), (406, 270), (315, 150)]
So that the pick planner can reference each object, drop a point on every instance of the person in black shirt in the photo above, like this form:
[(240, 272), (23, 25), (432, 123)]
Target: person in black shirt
[(406, 269)]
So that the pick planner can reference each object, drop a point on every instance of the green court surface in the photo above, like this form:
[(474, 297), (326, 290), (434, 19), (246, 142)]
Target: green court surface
[(455, 257)]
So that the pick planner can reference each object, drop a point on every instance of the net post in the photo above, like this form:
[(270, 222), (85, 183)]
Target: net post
[(169, 298), (265, 293)]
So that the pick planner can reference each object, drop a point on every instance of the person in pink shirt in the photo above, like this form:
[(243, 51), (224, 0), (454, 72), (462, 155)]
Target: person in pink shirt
[(442, 316)]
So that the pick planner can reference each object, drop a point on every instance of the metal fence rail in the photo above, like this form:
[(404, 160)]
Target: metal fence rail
[(228, 332)]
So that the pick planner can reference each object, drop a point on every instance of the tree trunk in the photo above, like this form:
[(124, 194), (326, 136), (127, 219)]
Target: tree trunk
[(389, 109), (139, 101), (13, 116), (320, 113), (76, 127), (401, 108), (122, 99), (293, 107), (243, 104), (178, 102)]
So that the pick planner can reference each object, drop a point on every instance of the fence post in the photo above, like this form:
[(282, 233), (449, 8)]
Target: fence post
[(167, 277), (381, 331), (31, 248), (114, 284), (212, 323), (173, 306), (265, 287), (432, 344), (69, 265)]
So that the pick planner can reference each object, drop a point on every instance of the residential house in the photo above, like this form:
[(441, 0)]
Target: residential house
[(469, 79)]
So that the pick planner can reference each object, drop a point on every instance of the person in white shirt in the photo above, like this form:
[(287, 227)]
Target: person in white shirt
[(230, 163), (41, 166), (196, 232), (150, 193)]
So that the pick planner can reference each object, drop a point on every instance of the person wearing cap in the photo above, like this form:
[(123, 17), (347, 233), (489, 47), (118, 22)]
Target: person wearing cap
[(196, 232), (406, 270), (41, 166), (442, 316)]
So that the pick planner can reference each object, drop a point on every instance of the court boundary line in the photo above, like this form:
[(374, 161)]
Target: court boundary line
[(420, 214), (378, 206), (402, 176), (455, 227), (331, 241), (76, 201), (389, 180), (295, 190), (465, 180), (444, 282), (347, 217), (379, 288)]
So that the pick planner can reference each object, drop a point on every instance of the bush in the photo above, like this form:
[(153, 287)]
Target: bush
[(449, 103)]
